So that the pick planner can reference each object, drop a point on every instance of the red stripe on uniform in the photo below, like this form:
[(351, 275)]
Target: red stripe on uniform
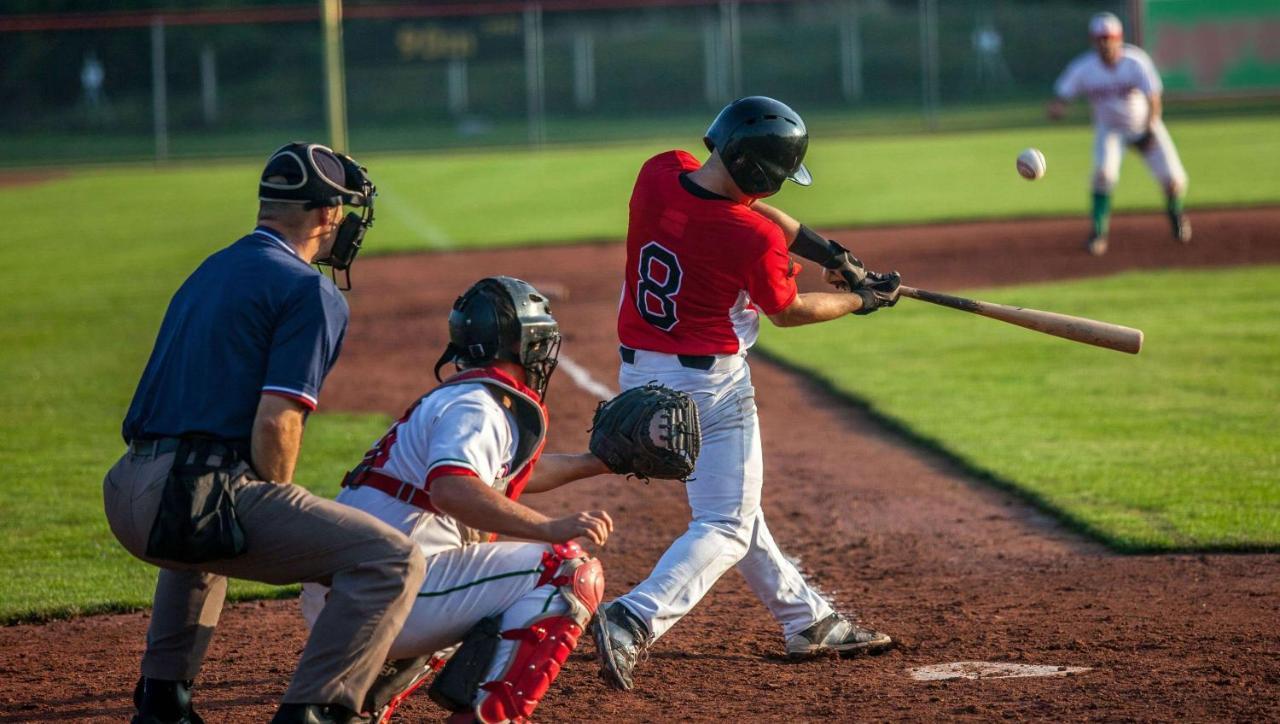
[(296, 398)]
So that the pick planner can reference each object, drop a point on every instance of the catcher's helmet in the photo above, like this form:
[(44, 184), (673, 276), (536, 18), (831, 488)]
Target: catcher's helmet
[(762, 143), (504, 318)]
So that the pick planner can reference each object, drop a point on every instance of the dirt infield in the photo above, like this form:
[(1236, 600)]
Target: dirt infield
[(29, 178), (953, 569)]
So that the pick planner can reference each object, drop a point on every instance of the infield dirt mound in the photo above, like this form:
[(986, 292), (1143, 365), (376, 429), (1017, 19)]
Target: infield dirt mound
[(954, 570)]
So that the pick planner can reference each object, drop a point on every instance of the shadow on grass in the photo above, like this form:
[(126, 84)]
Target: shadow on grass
[(976, 472)]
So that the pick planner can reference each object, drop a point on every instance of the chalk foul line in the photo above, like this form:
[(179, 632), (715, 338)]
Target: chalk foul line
[(583, 379)]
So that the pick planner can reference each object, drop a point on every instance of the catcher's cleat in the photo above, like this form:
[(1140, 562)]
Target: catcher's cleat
[(1182, 229), (1096, 245), (836, 634), (163, 702), (621, 639), (396, 681)]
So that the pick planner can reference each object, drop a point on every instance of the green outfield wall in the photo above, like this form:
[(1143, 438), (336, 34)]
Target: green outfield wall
[(1211, 47)]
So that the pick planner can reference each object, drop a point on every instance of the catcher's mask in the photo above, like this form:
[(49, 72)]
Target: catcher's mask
[(503, 318), (317, 176), (762, 143)]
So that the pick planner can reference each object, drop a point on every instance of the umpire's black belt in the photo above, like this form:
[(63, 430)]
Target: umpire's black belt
[(225, 449), (702, 362)]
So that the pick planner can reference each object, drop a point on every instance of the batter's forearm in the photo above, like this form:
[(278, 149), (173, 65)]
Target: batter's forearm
[(813, 307), (556, 469), (476, 505), (276, 438)]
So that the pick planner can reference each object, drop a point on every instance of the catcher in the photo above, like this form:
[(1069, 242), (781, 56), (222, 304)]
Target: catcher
[(449, 475)]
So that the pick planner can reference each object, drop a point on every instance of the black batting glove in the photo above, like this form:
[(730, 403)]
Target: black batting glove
[(878, 290)]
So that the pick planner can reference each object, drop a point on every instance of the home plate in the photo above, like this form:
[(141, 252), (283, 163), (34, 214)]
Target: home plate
[(989, 670)]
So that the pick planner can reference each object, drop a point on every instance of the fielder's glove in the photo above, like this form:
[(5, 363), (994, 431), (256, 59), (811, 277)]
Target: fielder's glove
[(649, 432), (1144, 142), (878, 290)]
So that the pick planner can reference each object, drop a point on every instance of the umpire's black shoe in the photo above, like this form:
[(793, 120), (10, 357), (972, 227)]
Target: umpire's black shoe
[(163, 702), (621, 639), (836, 634), (316, 714)]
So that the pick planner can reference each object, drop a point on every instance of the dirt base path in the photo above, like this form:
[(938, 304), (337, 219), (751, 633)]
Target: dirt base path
[(954, 570)]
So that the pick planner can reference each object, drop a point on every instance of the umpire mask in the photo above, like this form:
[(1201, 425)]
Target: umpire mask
[(317, 176)]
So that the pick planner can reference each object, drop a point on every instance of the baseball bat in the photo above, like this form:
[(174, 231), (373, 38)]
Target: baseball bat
[(1077, 329)]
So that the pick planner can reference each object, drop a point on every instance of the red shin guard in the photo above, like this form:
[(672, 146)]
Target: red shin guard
[(546, 642)]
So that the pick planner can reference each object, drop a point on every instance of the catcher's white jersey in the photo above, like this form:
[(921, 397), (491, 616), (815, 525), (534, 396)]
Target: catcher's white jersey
[(457, 428), (1117, 94)]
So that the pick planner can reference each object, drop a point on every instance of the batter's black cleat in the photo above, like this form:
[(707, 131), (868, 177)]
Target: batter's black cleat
[(164, 702), (396, 681), (1182, 228), (1096, 245), (316, 714), (836, 634), (621, 640)]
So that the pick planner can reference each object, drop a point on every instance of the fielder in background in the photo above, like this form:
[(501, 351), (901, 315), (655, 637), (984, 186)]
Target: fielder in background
[(1124, 88), (448, 474), (705, 258), (204, 490)]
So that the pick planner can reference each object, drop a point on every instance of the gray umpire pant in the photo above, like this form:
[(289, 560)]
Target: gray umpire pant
[(292, 536)]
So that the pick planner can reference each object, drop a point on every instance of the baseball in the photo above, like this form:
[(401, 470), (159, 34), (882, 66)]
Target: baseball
[(1031, 164)]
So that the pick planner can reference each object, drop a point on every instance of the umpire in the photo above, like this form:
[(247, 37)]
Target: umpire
[(204, 489)]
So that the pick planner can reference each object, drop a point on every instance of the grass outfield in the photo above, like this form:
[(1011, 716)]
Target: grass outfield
[(487, 198), (93, 257), (1174, 449)]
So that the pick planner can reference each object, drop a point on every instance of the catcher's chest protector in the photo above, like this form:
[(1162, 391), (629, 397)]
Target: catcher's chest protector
[(531, 433)]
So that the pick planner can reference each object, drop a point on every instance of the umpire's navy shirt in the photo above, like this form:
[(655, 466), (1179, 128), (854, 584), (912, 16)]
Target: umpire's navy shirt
[(253, 319)]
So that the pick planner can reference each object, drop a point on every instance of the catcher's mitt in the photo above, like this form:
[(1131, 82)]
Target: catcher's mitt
[(649, 432)]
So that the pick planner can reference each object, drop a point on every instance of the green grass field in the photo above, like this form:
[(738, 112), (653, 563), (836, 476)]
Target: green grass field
[(1174, 449), (94, 256)]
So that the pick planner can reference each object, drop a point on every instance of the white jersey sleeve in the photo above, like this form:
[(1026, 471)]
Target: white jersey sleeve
[(1068, 85), (472, 432), (1149, 78)]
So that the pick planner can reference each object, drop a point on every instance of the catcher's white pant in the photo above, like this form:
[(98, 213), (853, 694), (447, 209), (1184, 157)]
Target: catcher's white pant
[(1162, 158), (463, 586), (728, 526)]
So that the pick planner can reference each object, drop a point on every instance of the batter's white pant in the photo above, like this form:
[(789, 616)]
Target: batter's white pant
[(463, 586), (1162, 158), (728, 526)]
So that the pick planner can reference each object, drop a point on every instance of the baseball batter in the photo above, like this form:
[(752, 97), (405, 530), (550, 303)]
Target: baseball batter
[(1124, 89), (705, 259), (455, 465)]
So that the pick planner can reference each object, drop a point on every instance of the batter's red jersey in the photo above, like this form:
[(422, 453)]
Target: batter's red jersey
[(696, 266)]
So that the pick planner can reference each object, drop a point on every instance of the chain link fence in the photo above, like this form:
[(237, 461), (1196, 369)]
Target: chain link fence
[(120, 86)]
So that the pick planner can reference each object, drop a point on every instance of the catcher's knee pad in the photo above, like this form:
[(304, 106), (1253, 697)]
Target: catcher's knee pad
[(544, 643)]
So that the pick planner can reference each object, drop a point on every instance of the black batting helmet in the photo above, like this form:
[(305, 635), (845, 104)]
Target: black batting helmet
[(504, 318), (762, 143)]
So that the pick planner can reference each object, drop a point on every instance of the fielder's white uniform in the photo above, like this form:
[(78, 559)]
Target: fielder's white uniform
[(1118, 97), (464, 428)]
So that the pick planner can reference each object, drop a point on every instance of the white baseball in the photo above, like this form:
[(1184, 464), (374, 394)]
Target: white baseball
[(1031, 164)]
